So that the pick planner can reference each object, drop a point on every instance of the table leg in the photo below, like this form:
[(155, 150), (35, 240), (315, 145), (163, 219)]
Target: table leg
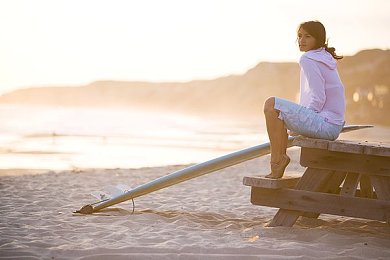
[(382, 188), (312, 180), (331, 186), (366, 187), (350, 184)]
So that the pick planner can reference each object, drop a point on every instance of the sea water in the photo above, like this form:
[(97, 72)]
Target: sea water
[(43, 137)]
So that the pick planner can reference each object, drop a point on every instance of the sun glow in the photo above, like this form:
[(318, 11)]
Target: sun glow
[(75, 42)]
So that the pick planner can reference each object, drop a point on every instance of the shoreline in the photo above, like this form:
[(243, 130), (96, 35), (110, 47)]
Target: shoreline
[(124, 154)]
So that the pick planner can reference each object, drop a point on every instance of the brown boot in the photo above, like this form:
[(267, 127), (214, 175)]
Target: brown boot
[(277, 169)]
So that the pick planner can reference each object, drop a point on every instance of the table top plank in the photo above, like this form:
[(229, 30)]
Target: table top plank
[(346, 146), (348, 162)]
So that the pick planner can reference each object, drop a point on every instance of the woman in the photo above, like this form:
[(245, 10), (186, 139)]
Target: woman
[(320, 113)]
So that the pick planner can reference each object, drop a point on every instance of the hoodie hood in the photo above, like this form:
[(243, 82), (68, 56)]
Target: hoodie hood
[(321, 55)]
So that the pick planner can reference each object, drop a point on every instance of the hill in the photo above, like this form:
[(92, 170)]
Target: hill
[(365, 76)]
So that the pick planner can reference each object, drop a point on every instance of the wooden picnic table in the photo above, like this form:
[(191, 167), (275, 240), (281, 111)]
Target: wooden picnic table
[(345, 178)]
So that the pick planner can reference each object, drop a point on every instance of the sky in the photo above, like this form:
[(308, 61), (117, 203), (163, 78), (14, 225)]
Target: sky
[(75, 42)]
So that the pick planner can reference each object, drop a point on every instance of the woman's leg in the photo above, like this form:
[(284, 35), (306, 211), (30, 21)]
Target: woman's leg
[(306, 122), (277, 134), (276, 130)]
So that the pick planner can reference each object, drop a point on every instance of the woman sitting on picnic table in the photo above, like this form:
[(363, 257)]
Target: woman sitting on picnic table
[(320, 112)]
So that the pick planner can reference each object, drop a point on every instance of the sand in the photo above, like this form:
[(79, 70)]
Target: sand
[(209, 217)]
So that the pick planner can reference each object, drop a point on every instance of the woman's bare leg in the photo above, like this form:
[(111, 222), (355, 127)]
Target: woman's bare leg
[(283, 147), (277, 134)]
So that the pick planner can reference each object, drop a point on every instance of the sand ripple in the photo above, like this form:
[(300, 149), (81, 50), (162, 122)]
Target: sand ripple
[(206, 218)]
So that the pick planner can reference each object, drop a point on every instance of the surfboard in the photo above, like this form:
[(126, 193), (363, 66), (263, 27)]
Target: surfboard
[(110, 192), (190, 173)]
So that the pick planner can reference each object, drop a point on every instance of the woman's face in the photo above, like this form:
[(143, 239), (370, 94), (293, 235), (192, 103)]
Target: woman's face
[(306, 42)]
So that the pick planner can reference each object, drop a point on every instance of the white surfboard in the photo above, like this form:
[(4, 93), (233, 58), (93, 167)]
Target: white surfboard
[(190, 173), (110, 191)]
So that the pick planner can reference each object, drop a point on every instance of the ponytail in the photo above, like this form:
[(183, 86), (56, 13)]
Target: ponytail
[(332, 51)]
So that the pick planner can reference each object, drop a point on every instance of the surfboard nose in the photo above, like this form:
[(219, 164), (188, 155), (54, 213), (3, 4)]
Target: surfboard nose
[(87, 209)]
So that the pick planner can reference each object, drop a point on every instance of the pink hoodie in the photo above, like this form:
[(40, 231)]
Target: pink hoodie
[(321, 87)]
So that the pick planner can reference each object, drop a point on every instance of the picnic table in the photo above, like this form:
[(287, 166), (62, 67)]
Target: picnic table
[(345, 178)]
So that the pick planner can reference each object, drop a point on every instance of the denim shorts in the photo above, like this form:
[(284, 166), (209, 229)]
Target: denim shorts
[(304, 121)]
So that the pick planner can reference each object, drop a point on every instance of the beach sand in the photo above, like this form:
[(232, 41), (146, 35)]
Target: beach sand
[(209, 217)]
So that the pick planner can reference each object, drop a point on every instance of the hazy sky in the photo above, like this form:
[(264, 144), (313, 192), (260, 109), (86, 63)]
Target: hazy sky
[(73, 42)]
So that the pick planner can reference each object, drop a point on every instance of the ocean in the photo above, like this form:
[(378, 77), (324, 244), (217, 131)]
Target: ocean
[(46, 137)]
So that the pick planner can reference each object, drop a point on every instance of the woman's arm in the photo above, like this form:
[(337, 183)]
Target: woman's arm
[(315, 83)]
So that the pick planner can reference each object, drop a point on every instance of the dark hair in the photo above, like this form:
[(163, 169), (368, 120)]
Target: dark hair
[(317, 30)]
